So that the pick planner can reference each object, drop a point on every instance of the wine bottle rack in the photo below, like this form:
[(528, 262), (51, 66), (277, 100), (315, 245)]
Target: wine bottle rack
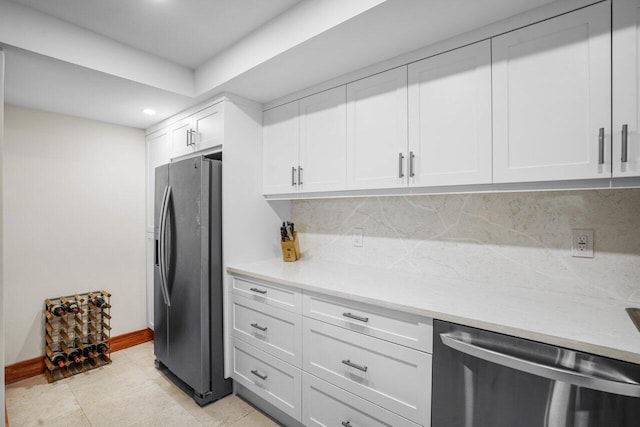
[(77, 333)]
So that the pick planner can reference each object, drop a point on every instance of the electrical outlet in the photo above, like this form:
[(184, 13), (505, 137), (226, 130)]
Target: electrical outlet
[(582, 243), (358, 237)]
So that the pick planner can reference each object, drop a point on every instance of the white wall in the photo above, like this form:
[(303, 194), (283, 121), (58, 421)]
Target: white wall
[(74, 220), (2, 414)]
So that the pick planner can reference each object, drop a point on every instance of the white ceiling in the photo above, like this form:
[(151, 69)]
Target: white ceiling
[(187, 32), (107, 60)]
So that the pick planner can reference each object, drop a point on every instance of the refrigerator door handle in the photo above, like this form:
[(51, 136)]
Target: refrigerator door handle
[(163, 245), (553, 373)]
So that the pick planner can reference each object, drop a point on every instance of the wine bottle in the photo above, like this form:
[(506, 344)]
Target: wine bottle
[(58, 359), (57, 310), (102, 348), (89, 351), (72, 307), (74, 355), (98, 302)]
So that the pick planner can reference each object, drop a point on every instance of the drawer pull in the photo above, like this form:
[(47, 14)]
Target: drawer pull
[(262, 328), (353, 365), (346, 424), (258, 374), (353, 316), (260, 291)]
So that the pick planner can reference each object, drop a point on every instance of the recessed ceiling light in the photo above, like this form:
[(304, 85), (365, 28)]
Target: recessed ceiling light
[(149, 111)]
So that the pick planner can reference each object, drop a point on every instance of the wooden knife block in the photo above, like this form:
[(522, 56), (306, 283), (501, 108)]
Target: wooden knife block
[(290, 249)]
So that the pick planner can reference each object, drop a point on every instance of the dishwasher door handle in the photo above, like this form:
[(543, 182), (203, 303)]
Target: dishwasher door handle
[(631, 389)]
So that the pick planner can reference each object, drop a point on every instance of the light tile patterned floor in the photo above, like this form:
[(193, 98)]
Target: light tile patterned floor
[(129, 392)]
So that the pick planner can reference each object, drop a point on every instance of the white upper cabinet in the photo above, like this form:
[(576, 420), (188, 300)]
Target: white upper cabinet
[(552, 99), (158, 153), (323, 133), (280, 149), (305, 144), (182, 138), (450, 118), (200, 131), (208, 127), (626, 92), (377, 131)]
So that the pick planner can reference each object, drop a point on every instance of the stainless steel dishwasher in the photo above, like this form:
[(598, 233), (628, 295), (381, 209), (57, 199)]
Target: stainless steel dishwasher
[(485, 379)]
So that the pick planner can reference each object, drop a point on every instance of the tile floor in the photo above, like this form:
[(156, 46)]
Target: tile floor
[(129, 392)]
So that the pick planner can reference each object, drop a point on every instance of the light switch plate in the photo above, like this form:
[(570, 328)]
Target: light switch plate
[(358, 237), (582, 243)]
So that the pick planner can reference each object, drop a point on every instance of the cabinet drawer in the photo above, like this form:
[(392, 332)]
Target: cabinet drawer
[(276, 331), (328, 405), (268, 293), (390, 375), (402, 328), (269, 377)]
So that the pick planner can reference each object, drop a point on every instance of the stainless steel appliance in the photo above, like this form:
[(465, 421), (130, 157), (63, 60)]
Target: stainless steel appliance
[(188, 277), (485, 379)]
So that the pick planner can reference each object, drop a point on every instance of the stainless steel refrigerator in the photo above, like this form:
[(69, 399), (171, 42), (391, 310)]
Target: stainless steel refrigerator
[(188, 277)]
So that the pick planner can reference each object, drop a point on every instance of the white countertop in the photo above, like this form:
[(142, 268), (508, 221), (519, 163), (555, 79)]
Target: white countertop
[(594, 325)]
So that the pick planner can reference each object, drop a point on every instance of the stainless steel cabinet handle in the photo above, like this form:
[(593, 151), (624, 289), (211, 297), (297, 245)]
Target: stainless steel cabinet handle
[(353, 365), (299, 175), (260, 291), (625, 147), (293, 176), (550, 372), (261, 328), (601, 146), (353, 316), (346, 424), (258, 374), (191, 137), (411, 161), (400, 161)]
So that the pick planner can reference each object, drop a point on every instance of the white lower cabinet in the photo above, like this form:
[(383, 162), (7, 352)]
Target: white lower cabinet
[(279, 296), (390, 325), (328, 361), (273, 330), (327, 405), (277, 382), (390, 375)]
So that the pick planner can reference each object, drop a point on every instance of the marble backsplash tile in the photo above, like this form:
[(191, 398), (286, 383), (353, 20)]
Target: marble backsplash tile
[(519, 239)]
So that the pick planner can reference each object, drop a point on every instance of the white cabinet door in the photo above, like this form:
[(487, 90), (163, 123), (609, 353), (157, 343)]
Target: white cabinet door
[(551, 99), (450, 118), (390, 375), (280, 149), (401, 328), (323, 145), (275, 295), (150, 262), (270, 378), (158, 153), (208, 125), (626, 89), (377, 131), (325, 405), (182, 139), (275, 331)]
